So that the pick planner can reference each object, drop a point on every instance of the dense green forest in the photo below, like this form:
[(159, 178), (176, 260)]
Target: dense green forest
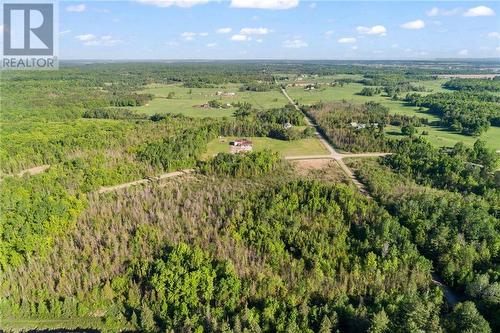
[(451, 225), (465, 112), (246, 242)]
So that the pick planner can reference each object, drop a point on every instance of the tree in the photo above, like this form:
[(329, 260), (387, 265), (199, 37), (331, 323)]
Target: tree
[(408, 130), (148, 323), (466, 319), (379, 323)]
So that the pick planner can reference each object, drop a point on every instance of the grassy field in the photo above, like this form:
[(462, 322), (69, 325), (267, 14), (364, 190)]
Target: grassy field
[(293, 78), (186, 101), (82, 324), (310, 146), (443, 137), (436, 135)]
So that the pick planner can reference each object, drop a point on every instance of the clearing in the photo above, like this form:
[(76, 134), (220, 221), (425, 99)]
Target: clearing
[(310, 146), (188, 101), (436, 135)]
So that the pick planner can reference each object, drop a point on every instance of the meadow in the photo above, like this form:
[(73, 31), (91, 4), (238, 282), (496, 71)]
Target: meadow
[(187, 101), (436, 135), (310, 146)]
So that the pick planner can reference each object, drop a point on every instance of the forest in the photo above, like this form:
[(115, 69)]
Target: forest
[(249, 242), (464, 112)]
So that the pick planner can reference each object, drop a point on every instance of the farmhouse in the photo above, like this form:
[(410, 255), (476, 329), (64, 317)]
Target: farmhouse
[(225, 94), (240, 146), (357, 125)]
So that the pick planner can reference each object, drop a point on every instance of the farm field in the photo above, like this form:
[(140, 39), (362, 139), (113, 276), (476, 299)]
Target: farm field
[(310, 146), (436, 135), (187, 101), (443, 137), (318, 79)]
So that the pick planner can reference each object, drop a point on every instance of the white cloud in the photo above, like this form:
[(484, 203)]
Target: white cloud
[(435, 11), (347, 40), (255, 31), (76, 8), (240, 38), (64, 32), (312, 5), (188, 35), (260, 40), (413, 25), (85, 38), (379, 30), (169, 3), (295, 44), (494, 34), (211, 44), (265, 4), (498, 49), (463, 52), (479, 11), (93, 40), (203, 34), (329, 32), (354, 47), (224, 30)]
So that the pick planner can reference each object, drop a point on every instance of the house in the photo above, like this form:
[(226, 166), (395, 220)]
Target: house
[(287, 126), (358, 126), (225, 94), (202, 106), (240, 146)]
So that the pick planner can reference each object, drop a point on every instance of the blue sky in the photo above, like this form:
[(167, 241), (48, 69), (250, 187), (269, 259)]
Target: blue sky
[(278, 29)]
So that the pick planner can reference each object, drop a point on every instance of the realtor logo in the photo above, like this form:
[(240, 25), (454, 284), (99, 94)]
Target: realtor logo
[(29, 36)]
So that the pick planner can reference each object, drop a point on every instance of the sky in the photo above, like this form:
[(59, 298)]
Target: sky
[(278, 29)]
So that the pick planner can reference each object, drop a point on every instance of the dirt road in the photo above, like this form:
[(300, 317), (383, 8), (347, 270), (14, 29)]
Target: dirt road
[(31, 171), (335, 155), (114, 188)]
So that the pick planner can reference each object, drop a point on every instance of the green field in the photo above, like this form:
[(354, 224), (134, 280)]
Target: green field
[(310, 146), (186, 101), (437, 136), (293, 78), (443, 137)]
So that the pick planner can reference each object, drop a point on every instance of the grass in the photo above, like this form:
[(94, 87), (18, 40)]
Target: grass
[(437, 136), (84, 324), (310, 146), (186, 100), (293, 78), (440, 137)]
